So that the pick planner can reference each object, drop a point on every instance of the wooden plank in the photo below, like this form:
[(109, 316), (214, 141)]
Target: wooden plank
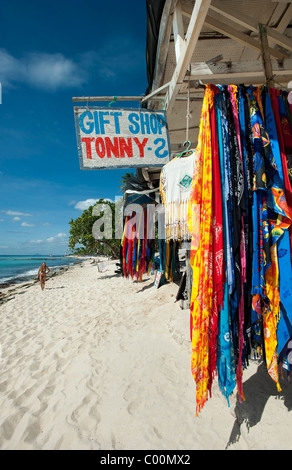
[(243, 76), (251, 24), (240, 37), (199, 13), (252, 66), (284, 23), (243, 20), (279, 38), (155, 92), (237, 70), (163, 44), (178, 30), (266, 58)]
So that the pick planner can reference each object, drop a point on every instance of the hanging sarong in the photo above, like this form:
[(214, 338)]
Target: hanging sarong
[(218, 248), (201, 257), (268, 188), (281, 225), (225, 354), (240, 212), (246, 146)]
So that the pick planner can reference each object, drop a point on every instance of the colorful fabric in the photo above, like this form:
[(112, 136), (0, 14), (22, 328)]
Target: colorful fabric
[(225, 353), (265, 184), (137, 251), (218, 248), (201, 257), (240, 182), (281, 225)]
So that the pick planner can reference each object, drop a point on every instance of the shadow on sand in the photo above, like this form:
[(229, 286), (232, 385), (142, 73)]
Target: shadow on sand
[(53, 288), (109, 276), (257, 390)]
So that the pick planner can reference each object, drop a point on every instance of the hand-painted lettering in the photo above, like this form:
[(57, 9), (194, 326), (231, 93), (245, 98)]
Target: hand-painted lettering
[(161, 144), (103, 121), (110, 137), (126, 147), (140, 145), (144, 121), (100, 147), (96, 122), (112, 147), (134, 119), (161, 122), (116, 115), (87, 141), (86, 126)]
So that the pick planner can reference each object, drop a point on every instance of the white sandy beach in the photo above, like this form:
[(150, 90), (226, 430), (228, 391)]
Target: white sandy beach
[(96, 361)]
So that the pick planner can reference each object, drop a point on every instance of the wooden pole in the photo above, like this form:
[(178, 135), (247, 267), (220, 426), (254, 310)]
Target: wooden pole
[(266, 58)]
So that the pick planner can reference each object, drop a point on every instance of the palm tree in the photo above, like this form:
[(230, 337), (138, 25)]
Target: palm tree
[(124, 180)]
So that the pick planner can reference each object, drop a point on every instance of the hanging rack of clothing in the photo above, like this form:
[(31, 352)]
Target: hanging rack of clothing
[(241, 297)]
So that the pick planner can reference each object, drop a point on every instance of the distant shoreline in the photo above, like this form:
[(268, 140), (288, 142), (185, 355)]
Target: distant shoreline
[(31, 279), (29, 275), (9, 289)]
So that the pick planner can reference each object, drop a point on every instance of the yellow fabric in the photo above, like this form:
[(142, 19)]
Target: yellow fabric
[(271, 316), (201, 253)]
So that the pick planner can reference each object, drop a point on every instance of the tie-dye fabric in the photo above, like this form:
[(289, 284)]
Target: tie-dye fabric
[(247, 132)]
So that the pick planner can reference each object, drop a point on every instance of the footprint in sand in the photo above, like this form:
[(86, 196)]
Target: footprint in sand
[(131, 395), (86, 417)]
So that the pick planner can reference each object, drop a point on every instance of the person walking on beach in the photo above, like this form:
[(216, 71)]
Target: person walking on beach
[(43, 270)]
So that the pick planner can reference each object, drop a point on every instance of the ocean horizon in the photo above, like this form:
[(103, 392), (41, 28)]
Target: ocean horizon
[(21, 268)]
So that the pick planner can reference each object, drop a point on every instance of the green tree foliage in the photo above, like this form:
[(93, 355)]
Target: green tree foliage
[(125, 178), (81, 239)]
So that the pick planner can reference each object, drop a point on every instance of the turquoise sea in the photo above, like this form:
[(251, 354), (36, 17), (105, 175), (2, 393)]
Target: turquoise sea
[(17, 268)]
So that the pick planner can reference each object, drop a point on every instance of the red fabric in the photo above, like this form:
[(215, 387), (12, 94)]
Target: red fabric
[(218, 248)]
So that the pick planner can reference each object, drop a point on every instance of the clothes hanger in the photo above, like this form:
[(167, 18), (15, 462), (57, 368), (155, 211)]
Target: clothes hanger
[(186, 152)]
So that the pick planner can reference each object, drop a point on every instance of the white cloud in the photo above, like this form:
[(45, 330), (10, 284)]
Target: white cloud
[(16, 219), (59, 238), (82, 205), (23, 214), (56, 237), (25, 224), (45, 71)]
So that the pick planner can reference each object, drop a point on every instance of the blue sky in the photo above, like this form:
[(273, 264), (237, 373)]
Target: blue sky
[(50, 52)]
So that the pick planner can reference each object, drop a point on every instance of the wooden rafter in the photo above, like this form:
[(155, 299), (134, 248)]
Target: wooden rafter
[(237, 70), (251, 24), (178, 30), (238, 36), (197, 19)]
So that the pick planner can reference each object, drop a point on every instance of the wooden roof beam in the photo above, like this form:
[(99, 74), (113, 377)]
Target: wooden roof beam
[(240, 37), (285, 20), (251, 24), (178, 30), (197, 19), (236, 70), (243, 20)]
